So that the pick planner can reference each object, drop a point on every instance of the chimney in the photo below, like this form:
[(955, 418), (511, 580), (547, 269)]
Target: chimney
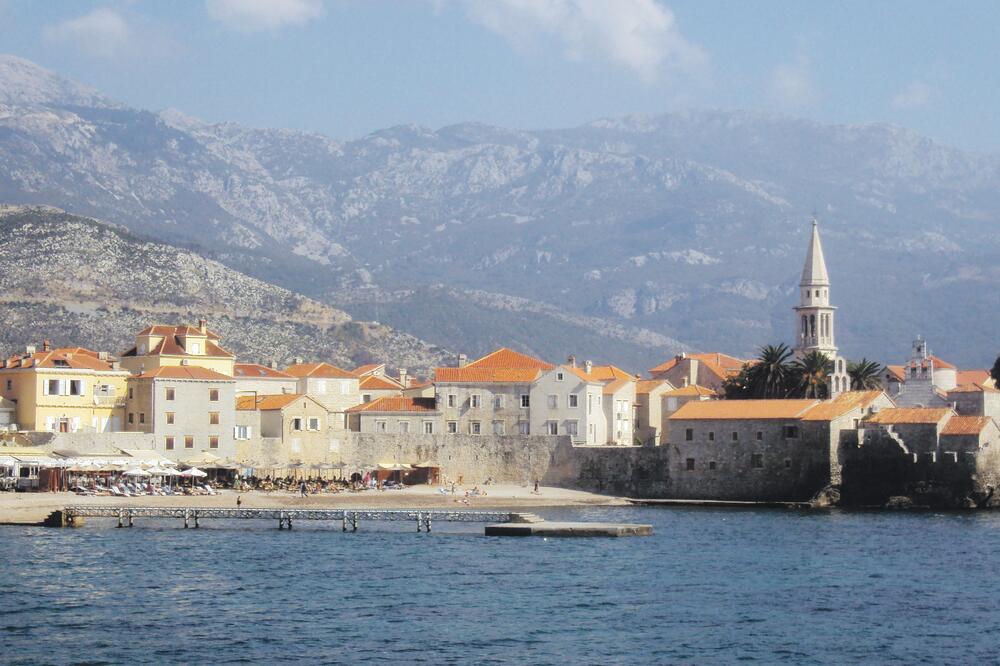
[(685, 381), (29, 350), (273, 364), (102, 356), (297, 360), (693, 371), (588, 366), (571, 360), (203, 325), (463, 360), (404, 378), (46, 345), (114, 365)]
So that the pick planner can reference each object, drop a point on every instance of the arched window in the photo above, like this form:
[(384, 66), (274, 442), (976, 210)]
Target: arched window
[(805, 326), (812, 325)]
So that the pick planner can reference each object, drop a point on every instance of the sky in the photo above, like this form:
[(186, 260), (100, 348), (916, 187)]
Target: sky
[(347, 68)]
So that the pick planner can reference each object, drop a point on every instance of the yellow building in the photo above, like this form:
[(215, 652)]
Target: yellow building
[(160, 346), (64, 390)]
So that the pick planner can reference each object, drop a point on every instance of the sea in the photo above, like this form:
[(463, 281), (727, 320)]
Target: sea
[(711, 586)]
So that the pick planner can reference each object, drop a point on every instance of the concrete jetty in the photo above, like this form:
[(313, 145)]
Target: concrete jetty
[(547, 528)]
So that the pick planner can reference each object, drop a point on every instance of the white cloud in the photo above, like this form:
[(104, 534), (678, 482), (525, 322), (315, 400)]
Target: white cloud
[(100, 33), (262, 15), (640, 35), (915, 95), (791, 85)]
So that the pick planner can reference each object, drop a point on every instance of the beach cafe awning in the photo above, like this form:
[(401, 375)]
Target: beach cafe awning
[(203, 459), (395, 467), (428, 464)]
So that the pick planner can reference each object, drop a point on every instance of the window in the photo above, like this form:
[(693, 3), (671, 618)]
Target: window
[(53, 387), (169, 393), (213, 395), (560, 376), (711, 436), (131, 393), (168, 442), (10, 385), (452, 427), (711, 465), (213, 418), (345, 388), (736, 436), (525, 400), (367, 397), (381, 426), (689, 464), (689, 435), (296, 423), (475, 400), (791, 432), (170, 418), (76, 387), (572, 428), (760, 435), (757, 460), (321, 386), (475, 428), (553, 401), (314, 423), (142, 417), (498, 402), (788, 463), (213, 441), (524, 427), (188, 442), (498, 428), (241, 432), (428, 427), (404, 427), (552, 427), (195, 347), (452, 399), (574, 400)]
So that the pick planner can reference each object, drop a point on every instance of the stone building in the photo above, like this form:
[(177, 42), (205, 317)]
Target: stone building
[(257, 379), (923, 380), (975, 400), (708, 370), (619, 410), (396, 414), (158, 346), (189, 409), (336, 388), (566, 400), (289, 427), (649, 426)]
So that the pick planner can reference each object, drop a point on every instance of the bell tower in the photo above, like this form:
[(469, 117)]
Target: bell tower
[(814, 316)]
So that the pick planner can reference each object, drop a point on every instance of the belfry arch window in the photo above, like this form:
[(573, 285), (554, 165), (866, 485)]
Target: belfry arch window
[(812, 325)]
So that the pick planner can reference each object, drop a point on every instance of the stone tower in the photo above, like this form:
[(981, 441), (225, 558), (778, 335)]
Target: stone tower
[(814, 316)]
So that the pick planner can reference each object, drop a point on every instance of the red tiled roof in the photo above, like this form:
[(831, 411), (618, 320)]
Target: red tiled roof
[(397, 404), (487, 375), (644, 386), (606, 373), (972, 377), (508, 358), (613, 387), (185, 372), (183, 329), (965, 425), (265, 403), (973, 388), (719, 410), (898, 372), (722, 365), (692, 390), (842, 404), (319, 371), (76, 358), (367, 369), (258, 371), (373, 383), (909, 416)]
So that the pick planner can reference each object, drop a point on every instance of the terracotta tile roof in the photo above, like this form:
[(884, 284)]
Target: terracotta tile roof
[(942, 364), (973, 388), (508, 358), (645, 386), (75, 358), (711, 410), (966, 425), (265, 403), (579, 373), (367, 369), (842, 404), (171, 345), (722, 365), (185, 372), (909, 415), (614, 386), (373, 383), (184, 329), (606, 373), (469, 375), (319, 371), (258, 371), (397, 404), (692, 390), (897, 372), (980, 377)]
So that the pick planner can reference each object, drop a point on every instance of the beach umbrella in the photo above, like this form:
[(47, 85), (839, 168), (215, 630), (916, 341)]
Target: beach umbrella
[(137, 472)]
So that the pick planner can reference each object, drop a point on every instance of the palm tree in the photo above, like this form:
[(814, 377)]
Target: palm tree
[(865, 375), (811, 374), (768, 377), (737, 387)]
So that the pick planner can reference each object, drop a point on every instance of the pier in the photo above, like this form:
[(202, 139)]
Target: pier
[(349, 519)]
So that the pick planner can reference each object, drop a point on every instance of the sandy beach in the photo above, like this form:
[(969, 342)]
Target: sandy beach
[(31, 508)]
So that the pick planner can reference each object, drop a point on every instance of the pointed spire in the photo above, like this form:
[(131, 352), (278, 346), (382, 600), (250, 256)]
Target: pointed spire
[(814, 272)]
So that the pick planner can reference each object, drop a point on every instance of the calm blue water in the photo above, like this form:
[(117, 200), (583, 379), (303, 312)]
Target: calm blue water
[(711, 586)]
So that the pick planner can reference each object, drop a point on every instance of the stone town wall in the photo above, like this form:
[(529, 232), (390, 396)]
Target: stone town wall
[(93, 442)]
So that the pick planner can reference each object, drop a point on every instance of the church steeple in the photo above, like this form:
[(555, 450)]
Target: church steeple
[(814, 272)]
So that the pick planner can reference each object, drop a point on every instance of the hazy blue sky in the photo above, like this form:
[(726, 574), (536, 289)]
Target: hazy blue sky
[(347, 68)]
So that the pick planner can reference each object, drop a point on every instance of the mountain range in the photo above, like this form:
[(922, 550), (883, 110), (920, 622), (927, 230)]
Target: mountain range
[(624, 240)]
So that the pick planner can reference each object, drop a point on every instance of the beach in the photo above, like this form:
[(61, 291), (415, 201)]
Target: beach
[(32, 508)]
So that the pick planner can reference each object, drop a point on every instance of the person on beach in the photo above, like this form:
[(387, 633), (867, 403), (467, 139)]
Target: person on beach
[(239, 501), (536, 487), (302, 489)]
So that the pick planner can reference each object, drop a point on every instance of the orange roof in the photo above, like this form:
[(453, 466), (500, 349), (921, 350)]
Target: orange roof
[(397, 404), (508, 358), (184, 329), (373, 383), (842, 404), (645, 386), (972, 377), (722, 365), (941, 363), (184, 372), (909, 415), (266, 403), (973, 388), (897, 371), (75, 358), (692, 390), (712, 410), (469, 375), (965, 425), (318, 371), (257, 371), (614, 386), (367, 369), (170, 344), (607, 373)]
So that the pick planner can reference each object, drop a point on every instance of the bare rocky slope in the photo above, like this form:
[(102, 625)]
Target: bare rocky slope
[(690, 227), (76, 280)]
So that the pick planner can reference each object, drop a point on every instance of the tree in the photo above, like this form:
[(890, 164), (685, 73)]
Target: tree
[(737, 387), (865, 375), (995, 372), (768, 377), (811, 374)]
